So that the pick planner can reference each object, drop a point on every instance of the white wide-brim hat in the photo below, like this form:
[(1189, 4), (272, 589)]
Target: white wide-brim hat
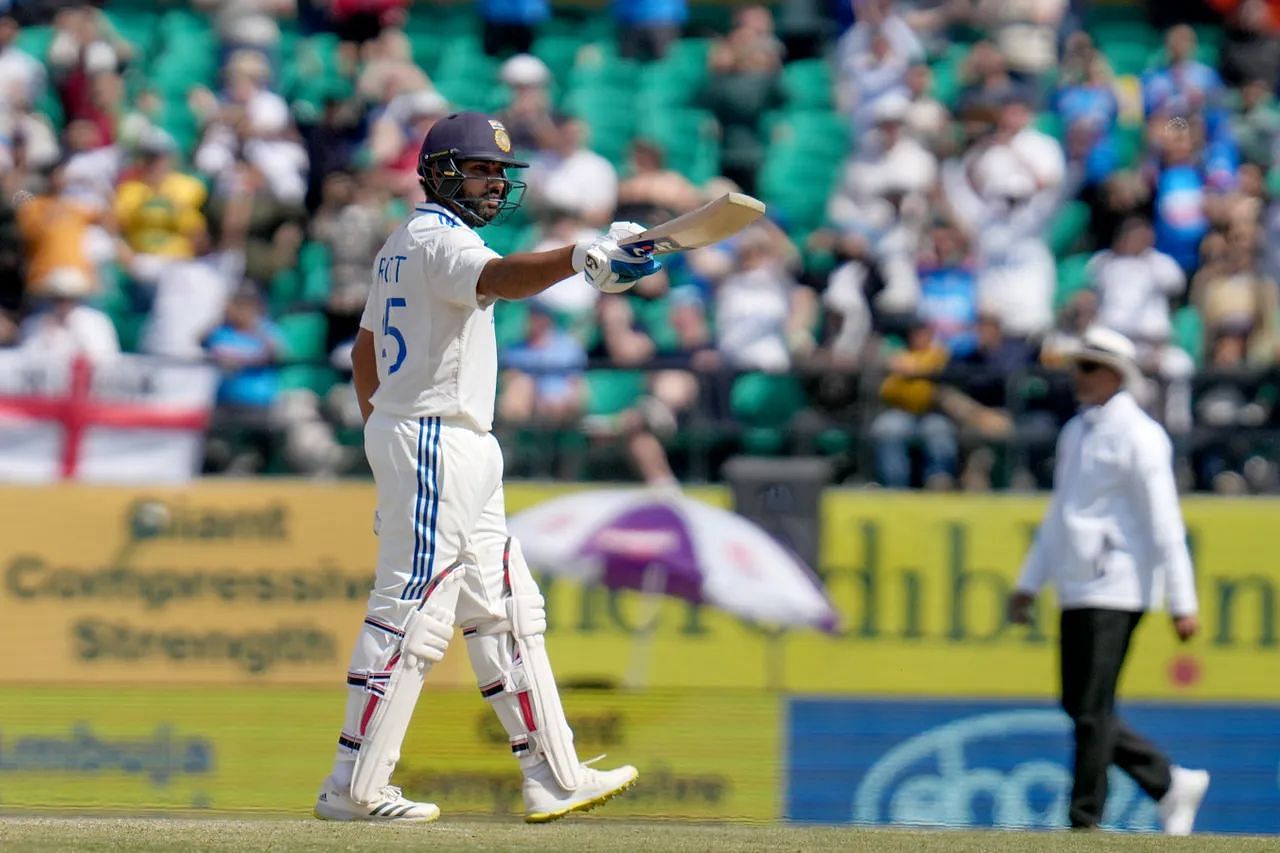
[(1110, 348)]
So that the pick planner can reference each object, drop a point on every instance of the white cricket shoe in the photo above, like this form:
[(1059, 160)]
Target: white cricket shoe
[(545, 800), (335, 803), (1179, 805)]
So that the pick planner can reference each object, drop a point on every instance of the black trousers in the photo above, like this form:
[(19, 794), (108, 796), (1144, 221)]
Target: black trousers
[(1094, 643)]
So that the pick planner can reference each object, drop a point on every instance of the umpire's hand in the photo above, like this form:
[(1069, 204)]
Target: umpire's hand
[(1019, 607), (1186, 626)]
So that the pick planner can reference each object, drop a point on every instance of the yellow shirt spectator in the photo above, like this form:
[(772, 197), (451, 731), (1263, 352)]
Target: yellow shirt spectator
[(907, 387), (161, 217)]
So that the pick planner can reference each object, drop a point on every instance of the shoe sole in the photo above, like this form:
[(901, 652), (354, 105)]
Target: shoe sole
[(584, 806), (374, 819)]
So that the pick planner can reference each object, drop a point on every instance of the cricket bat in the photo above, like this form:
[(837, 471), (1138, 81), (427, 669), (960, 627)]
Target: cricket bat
[(711, 223)]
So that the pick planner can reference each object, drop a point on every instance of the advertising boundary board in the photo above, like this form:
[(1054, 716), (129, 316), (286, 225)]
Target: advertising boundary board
[(264, 582)]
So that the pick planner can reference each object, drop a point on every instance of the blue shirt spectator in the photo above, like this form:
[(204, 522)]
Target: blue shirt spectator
[(650, 11), (246, 346), (551, 356), (1185, 86), (1180, 218), (949, 304)]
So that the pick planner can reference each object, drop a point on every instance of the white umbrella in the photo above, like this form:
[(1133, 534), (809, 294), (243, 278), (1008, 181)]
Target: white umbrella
[(661, 541)]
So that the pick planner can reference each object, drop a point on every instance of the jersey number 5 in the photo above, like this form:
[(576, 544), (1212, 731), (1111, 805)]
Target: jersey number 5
[(391, 331)]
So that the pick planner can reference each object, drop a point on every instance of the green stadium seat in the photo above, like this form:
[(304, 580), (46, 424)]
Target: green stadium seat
[(765, 399), (1050, 123), (1071, 278), (1068, 227), (319, 378), (611, 391), (1188, 332), (35, 40), (811, 133), (559, 52), (1125, 32), (689, 139), (284, 291), (1127, 58), (1129, 141), (303, 334), (313, 264), (509, 319), (654, 316), (807, 84)]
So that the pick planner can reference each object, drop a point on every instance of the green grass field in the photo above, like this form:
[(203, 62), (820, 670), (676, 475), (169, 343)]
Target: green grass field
[(584, 834)]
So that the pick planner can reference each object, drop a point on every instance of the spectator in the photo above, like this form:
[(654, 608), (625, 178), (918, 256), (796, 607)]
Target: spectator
[(65, 327), (882, 199), (1183, 86), (576, 178), (764, 318), (543, 375), (1136, 285), (159, 210), (530, 121), (247, 348), (744, 82), (570, 298), (275, 225), (351, 224), (1256, 124), (26, 139), (872, 60), (388, 69), (1181, 194), (395, 141), (363, 21), (55, 233), (987, 85), (1086, 102), (84, 49), (646, 28), (509, 25), (1236, 299), (249, 24), (909, 395), (1251, 46), (927, 120), (651, 192), (948, 290), (192, 294), (22, 76), (1002, 195), (330, 144), (1026, 33)]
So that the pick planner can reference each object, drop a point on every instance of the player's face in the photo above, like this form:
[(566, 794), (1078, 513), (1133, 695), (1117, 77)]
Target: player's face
[(485, 180)]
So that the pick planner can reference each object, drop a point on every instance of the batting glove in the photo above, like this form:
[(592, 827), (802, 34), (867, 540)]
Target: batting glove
[(611, 268)]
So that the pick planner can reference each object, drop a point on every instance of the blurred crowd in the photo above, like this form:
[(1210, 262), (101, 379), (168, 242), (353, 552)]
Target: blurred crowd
[(957, 189)]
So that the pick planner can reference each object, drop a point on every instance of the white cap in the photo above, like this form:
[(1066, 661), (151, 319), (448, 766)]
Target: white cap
[(891, 107), (426, 102), (524, 69), (1108, 347)]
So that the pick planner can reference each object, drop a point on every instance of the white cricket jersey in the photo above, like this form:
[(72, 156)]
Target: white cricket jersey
[(434, 340)]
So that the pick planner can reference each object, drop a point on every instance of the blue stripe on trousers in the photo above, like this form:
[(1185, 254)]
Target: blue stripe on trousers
[(426, 508), (435, 505), (419, 471)]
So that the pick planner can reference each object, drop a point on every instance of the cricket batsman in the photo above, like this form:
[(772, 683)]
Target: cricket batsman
[(425, 364)]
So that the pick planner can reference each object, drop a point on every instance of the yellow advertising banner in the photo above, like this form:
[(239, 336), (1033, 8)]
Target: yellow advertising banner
[(266, 749), (264, 582)]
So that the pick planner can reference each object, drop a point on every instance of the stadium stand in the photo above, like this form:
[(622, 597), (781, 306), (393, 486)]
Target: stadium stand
[(924, 169)]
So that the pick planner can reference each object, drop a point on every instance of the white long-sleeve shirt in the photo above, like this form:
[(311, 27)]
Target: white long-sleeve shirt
[(1113, 535)]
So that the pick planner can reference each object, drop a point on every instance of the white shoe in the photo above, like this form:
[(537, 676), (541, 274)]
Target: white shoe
[(335, 803), (1179, 805), (545, 800)]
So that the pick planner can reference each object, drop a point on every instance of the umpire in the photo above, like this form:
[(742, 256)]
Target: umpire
[(1113, 544)]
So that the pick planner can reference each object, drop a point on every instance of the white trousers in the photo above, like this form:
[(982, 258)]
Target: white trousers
[(440, 501)]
